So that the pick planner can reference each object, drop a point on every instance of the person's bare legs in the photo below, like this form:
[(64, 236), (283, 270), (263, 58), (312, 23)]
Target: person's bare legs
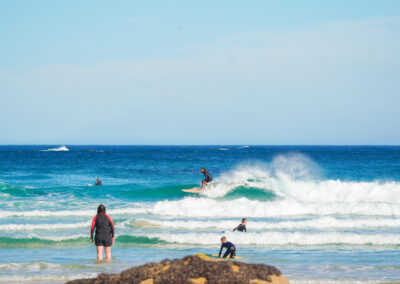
[(100, 252), (108, 253)]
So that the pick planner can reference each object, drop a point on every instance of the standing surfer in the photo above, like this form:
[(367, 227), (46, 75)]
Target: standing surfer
[(206, 180)]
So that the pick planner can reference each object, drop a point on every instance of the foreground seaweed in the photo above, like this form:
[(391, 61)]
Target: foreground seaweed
[(193, 269)]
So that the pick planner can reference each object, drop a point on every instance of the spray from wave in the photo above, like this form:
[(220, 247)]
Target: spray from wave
[(58, 149), (267, 177), (296, 177)]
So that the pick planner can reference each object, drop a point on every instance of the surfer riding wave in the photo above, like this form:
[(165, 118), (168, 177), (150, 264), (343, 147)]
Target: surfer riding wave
[(207, 178)]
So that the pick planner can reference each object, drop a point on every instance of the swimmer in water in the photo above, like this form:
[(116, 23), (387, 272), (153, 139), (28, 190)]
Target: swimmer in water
[(98, 182), (242, 227)]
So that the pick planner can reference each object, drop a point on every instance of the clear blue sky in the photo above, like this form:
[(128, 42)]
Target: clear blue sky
[(200, 72)]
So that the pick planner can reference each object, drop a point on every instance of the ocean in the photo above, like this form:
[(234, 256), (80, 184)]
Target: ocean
[(321, 214)]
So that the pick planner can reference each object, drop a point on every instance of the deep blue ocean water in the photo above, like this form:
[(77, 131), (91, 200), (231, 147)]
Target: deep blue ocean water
[(321, 214)]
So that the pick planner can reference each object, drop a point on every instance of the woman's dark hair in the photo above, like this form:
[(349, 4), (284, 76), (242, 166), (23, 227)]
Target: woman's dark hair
[(101, 209)]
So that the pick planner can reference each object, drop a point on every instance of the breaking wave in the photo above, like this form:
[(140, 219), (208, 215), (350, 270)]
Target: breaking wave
[(314, 223), (296, 177), (211, 239), (280, 238), (57, 149), (293, 178)]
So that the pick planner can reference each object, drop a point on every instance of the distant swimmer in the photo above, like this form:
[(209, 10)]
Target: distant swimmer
[(103, 226), (208, 178), (230, 248), (242, 226), (98, 182)]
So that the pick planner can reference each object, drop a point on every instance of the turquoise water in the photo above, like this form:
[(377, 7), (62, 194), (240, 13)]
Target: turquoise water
[(321, 214)]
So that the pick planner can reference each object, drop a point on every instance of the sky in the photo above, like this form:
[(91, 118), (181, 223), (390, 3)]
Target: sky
[(200, 72)]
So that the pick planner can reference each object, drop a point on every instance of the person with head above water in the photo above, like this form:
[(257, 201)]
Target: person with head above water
[(230, 248), (103, 227), (207, 179), (242, 227), (98, 182)]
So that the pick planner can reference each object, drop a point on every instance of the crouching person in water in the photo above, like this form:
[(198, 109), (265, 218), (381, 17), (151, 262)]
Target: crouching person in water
[(104, 237), (230, 248)]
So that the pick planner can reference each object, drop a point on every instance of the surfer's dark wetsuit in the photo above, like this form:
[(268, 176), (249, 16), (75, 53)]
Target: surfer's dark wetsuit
[(98, 182), (230, 249), (104, 226), (241, 228), (207, 176)]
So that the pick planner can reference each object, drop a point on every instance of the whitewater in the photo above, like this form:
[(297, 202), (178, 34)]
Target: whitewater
[(330, 212)]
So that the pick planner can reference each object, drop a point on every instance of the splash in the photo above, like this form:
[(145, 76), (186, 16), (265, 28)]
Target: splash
[(58, 149), (268, 177), (296, 177)]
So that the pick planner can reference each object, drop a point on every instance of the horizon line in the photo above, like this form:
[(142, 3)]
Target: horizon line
[(250, 145)]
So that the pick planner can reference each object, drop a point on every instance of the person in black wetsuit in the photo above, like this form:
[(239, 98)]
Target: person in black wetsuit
[(242, 227), (230, 248), (98, 182), (207, 179), (103, 225)]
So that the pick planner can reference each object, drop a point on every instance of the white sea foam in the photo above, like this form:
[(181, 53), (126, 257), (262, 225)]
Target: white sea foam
[(278, 238), (291, 178), (51, 277), (296, 177), (62, 213), (198, 207), (317, 223), (56, 238), (58, 149), (34, 266), (242, 207), (266, 238), (32, 227)]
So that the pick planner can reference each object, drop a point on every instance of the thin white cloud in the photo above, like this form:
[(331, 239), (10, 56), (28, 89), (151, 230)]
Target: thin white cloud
[(314, 86)]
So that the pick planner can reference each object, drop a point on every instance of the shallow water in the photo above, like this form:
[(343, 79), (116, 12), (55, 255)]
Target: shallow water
[(321, 214)]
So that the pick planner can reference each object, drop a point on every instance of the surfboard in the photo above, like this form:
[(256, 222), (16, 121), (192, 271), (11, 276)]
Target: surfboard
[(193, 190), (207, 256), (216, 256)]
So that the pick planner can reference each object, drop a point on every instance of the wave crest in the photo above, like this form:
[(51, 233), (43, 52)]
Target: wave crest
[(57, 149), (296, 177)]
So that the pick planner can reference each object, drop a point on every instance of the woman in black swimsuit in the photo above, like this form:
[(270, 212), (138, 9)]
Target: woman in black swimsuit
[(103, 228)]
